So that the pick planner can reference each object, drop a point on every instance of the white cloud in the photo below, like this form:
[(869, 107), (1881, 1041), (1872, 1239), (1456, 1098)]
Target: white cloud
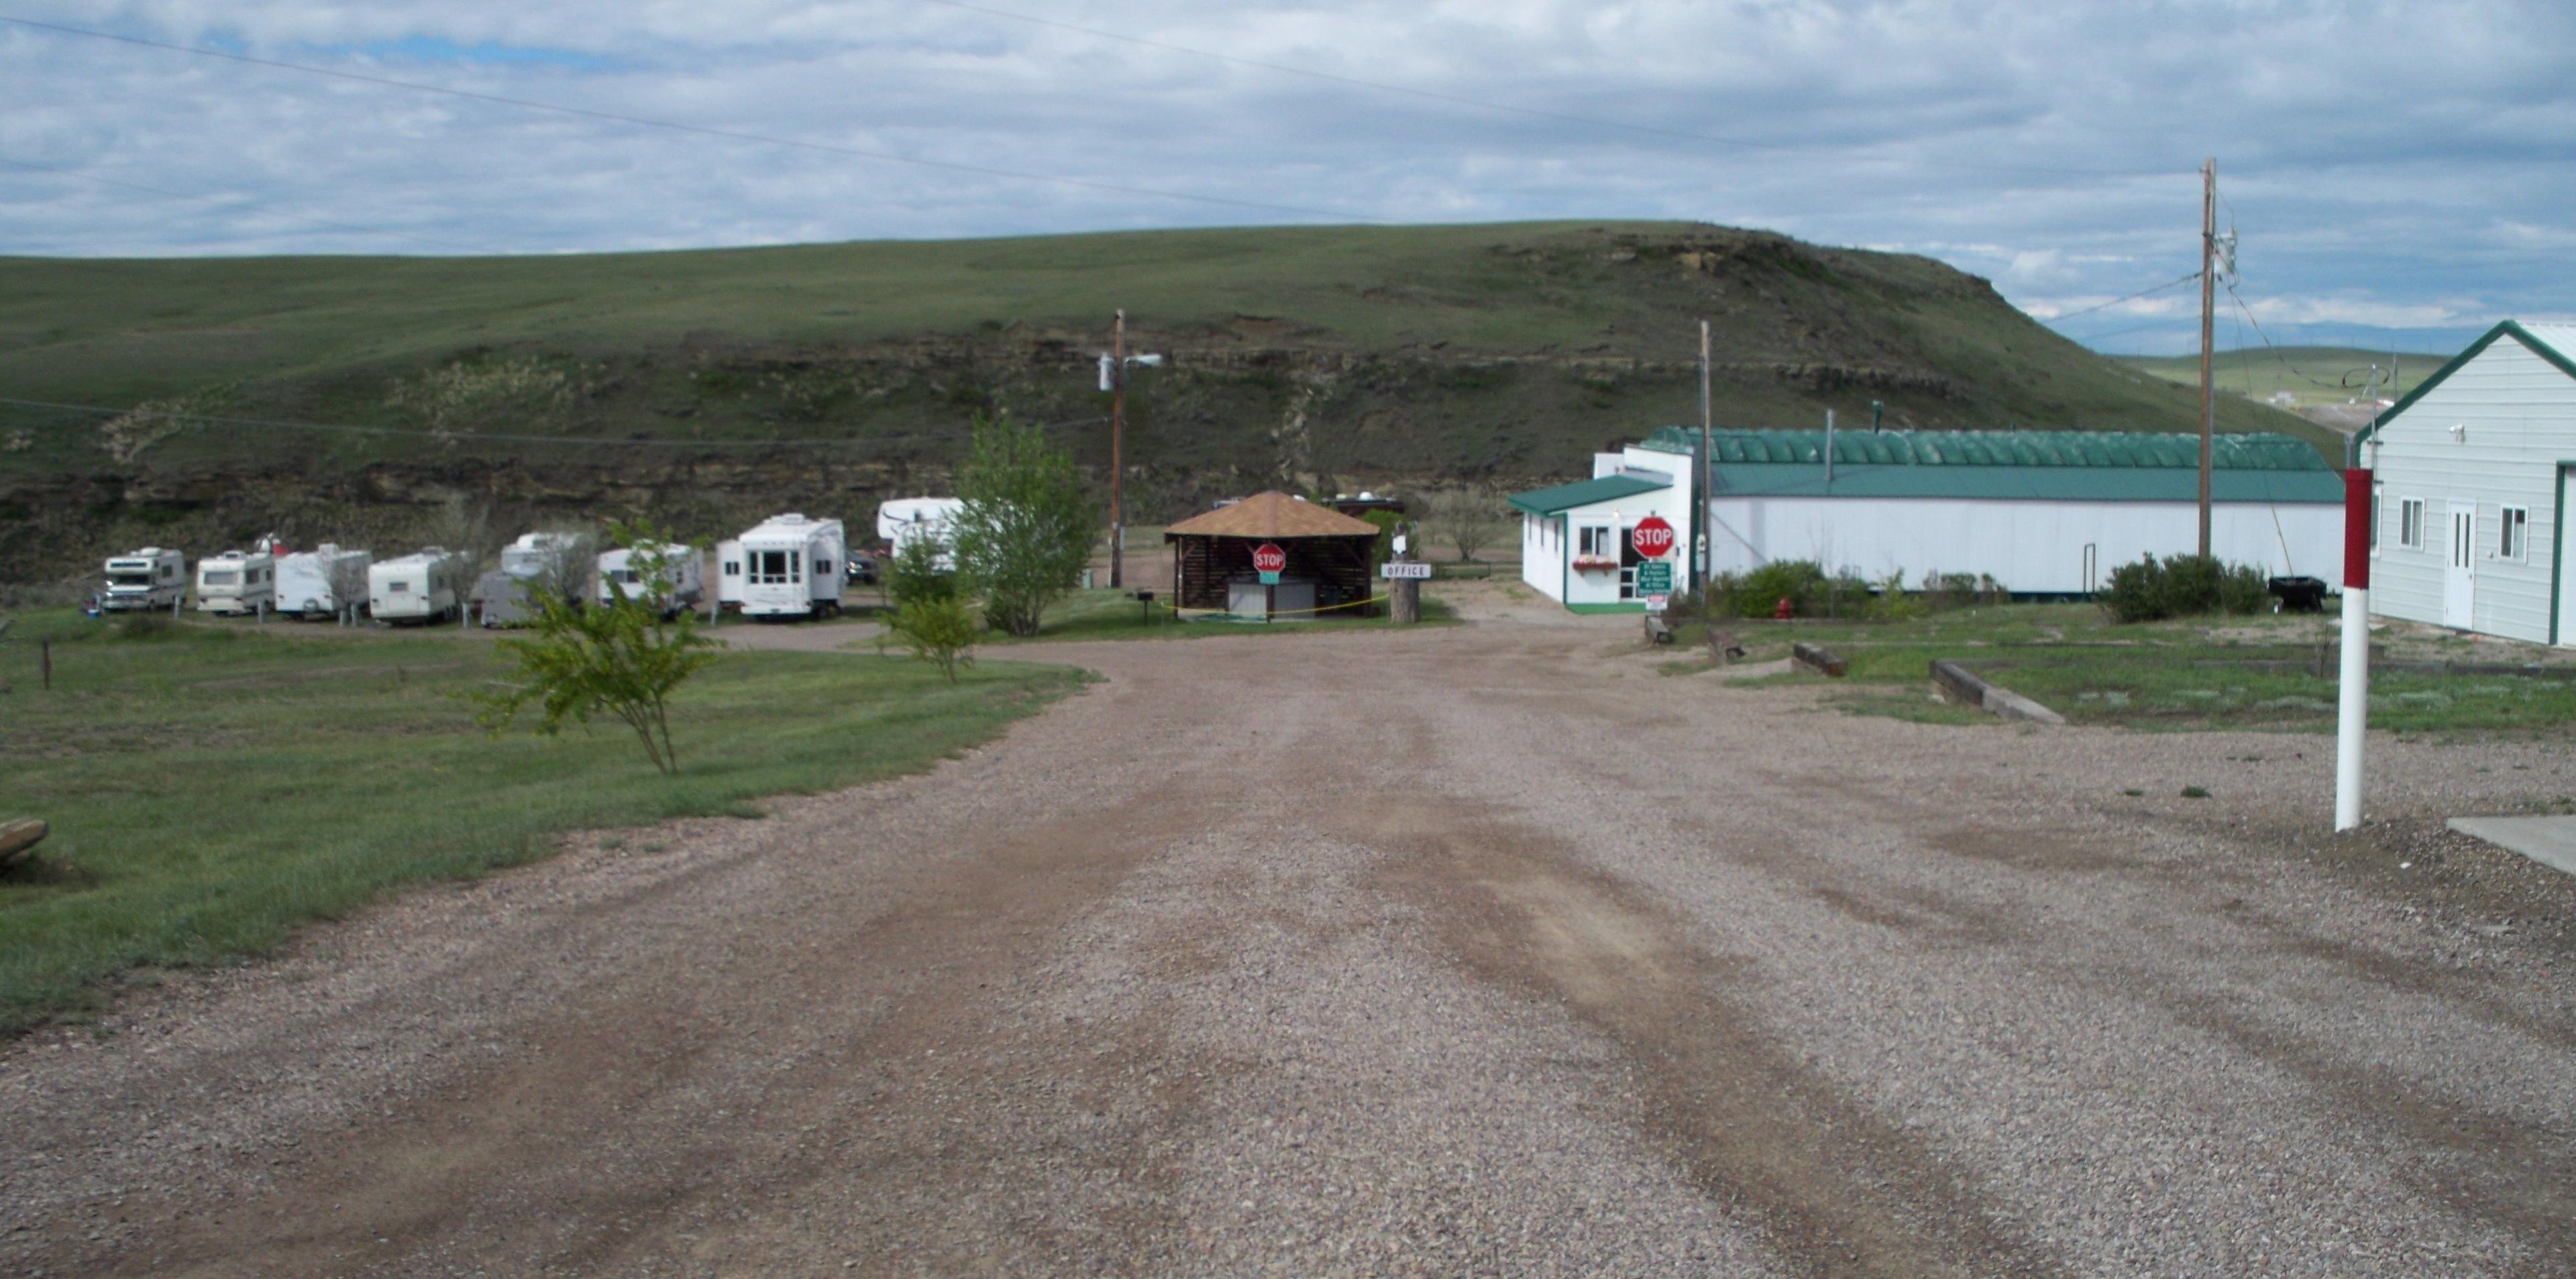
[(2052, 148)]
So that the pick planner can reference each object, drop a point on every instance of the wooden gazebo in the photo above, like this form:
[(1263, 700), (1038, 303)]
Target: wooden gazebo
[(1327, 572)]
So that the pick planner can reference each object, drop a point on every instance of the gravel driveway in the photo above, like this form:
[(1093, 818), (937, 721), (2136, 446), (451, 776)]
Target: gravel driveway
[(1470, 950)]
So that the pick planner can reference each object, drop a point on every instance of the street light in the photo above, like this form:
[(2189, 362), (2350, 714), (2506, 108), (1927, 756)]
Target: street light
[(1113, 379)]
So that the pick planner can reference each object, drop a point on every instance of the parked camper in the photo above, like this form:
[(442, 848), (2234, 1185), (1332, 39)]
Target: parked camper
[(237, 582), (729, 575), (154, 577), (541, 554), (792, 567), (426, 586), (683, 572), (904, 520), (309, 583), (503, 598)]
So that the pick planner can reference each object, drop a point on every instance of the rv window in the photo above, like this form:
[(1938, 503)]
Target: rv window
[(796, 566), (733, 568), (822, 568), (397, 588), (772, 566), (224, 577)]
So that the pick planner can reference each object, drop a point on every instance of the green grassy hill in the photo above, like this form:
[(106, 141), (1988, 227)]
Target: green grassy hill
[(2310, 375), (1322, 357)]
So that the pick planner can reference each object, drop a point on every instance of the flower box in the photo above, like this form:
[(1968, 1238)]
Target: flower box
[(1595, 564)]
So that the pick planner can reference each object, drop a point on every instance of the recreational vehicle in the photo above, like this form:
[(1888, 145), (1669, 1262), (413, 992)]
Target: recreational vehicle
[(310, 583), (237, 582), (503, 598), (154, 577), (541, 554), (683, 572), (792, 567), (729, 575), (903, 520), (426, 586)]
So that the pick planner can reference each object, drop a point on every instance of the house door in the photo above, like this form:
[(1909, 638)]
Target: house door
[(2459, 577)]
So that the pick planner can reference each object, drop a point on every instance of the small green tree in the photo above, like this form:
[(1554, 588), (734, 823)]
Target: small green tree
[(624, 657), (1026, 527), (914, 574), (940, 629)]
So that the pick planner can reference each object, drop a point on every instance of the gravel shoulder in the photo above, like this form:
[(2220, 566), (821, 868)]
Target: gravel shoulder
[(1478, 949)]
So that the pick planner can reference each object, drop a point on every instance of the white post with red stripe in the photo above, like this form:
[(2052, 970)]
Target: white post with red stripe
[(2352, 697)]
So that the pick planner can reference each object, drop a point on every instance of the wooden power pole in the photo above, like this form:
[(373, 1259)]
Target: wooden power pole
[(1701, 523), (1117, 463), (2208, 301)]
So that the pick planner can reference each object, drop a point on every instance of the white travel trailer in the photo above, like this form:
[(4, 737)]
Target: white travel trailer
[(237, 582), (426, 586), (792, 567), (729, 575), (684, 573), (310, 583), (154, 577), (537, 554), (904, 520)]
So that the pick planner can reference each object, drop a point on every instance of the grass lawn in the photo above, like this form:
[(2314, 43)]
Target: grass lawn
[(211, 789), (1107, 614), (2237, 672)]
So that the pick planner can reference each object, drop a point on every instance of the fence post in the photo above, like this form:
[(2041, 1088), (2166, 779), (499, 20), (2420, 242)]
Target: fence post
[(45, 661)]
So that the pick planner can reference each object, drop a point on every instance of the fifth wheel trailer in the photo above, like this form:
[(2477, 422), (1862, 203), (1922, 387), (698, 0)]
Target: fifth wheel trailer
[(681, 570), (791, 567), (309, 582)]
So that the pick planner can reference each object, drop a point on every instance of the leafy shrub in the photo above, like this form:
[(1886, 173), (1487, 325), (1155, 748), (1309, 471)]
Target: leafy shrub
[(1758, 592), (2183, 586), (941, 631), (914, 574), (1893, 602)]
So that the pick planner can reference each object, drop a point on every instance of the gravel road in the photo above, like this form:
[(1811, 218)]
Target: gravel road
[(1472, 950)]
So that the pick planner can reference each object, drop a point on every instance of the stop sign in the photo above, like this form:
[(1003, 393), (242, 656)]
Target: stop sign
[(1268, 558), (1652, 537)]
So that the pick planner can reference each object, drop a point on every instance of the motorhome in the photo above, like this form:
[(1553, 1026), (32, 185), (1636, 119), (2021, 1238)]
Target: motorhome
[(154, 577), (237, 582), (729, 575), (311, 583), (682, 570), (425, 586), (903, 520), (792, 567)]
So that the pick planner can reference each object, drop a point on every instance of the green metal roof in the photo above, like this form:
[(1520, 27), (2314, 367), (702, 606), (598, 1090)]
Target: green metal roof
[(1565, 497), (2097, 466)]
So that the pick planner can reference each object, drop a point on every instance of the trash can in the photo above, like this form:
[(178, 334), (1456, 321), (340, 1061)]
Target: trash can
[(2298, 594)]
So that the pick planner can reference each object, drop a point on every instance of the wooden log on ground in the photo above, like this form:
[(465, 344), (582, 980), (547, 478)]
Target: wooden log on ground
[(1959, 684), (1656, 631), (1818, 658), (1723, 645), (19, 837)]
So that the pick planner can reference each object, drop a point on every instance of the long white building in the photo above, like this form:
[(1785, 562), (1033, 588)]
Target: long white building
[(2471, 473)]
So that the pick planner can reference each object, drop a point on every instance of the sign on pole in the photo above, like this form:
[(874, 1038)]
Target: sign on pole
[(1269, 561), (1655, 577), (1403, 570), (1653, 537)]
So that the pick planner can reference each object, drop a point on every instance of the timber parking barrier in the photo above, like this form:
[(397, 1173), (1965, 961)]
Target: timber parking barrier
[(1958, 683), (1818, 658)]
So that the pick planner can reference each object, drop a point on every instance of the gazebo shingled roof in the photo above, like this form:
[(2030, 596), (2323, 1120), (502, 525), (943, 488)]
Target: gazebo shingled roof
[(1272, 514)]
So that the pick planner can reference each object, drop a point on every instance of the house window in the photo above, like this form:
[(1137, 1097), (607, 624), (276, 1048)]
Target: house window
[(2514, 540), (2410, 523), (1594, 539), (2374, 517)]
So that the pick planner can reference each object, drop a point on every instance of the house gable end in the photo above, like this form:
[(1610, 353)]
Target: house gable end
[(2543, 349)]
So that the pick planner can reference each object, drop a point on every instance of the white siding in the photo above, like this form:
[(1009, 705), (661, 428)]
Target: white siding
[(2034, 547), (1542, 564), (2516, 414)]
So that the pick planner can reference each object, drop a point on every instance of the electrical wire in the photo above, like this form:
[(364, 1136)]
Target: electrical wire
[(1541, 113), (2340, 384), (182, 195), (478, 437), (2184, 279), (733, 135)]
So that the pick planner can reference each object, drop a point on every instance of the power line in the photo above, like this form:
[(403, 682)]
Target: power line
[(2277, 353), (182, 195), (734, 135), (444, 437), (1540, 113), (2186, 278)]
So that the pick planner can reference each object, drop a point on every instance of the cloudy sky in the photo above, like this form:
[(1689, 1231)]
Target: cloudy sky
[(2398, 174)]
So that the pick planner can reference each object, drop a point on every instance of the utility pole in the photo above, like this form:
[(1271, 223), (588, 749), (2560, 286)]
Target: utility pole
[(1707, 548), (1117, 464), (2208, 305)]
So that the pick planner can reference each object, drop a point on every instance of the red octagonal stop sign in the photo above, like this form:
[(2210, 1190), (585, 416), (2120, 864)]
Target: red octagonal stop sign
[(1268, 558), (1652, 537)]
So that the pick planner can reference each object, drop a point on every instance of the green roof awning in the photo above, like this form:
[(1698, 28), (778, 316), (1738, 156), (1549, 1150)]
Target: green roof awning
[(1565, 497)]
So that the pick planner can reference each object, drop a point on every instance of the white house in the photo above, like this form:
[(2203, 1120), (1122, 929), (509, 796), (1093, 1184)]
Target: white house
[(2471, 473), (1575, 546), (2040, 512)]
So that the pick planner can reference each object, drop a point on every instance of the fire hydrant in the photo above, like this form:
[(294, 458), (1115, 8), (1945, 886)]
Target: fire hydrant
[(1781, 611)]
